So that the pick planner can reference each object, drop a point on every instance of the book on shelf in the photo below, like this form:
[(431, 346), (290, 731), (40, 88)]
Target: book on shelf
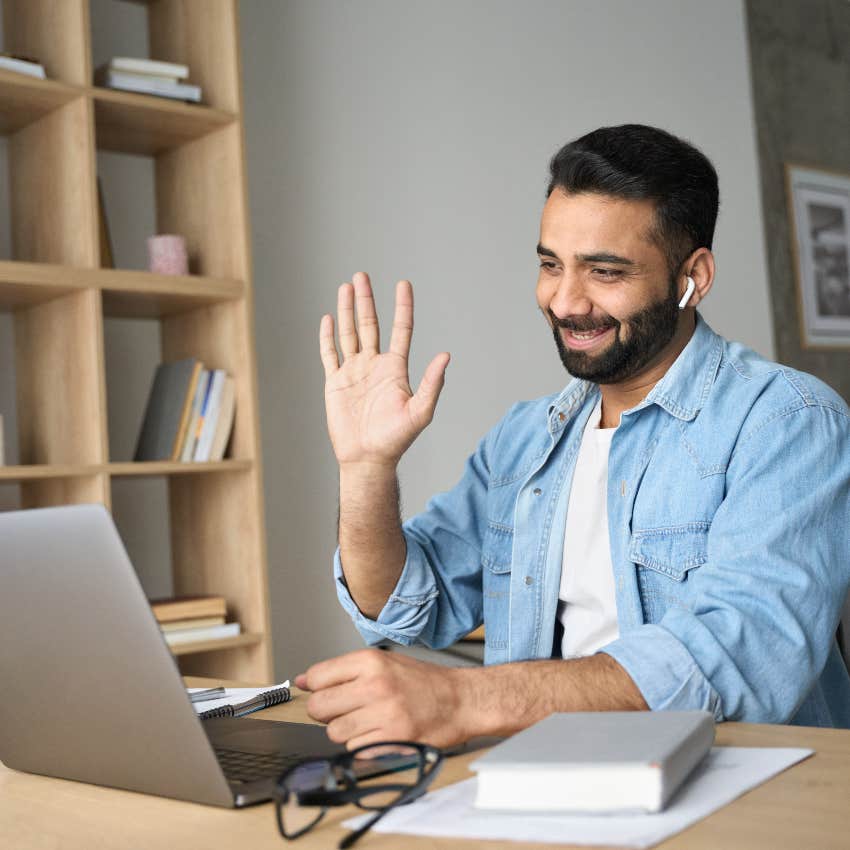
[(176, 608), (594, 762), (208, 633), (168, 410), (192, 623), (147, 84), (22, 65), (224, 420), (148, 67), (187, 452), (209, 415)]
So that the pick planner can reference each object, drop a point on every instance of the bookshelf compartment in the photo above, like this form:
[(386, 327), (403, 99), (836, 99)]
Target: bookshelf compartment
[(53, 33), (196, 33), (214, 550)]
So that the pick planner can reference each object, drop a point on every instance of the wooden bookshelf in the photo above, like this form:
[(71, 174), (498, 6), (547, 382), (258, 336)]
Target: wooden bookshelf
[(59, 295)]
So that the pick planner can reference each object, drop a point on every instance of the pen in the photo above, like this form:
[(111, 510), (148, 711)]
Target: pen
[(209, 693)]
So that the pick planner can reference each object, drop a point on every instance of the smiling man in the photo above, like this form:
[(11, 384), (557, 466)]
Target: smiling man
[(668, 532)]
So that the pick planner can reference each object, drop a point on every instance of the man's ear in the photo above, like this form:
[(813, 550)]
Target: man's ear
[(700, 267)]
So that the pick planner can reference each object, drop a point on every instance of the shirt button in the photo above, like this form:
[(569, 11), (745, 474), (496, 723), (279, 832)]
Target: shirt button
[(562, 416), (537, 491), (529, 580)]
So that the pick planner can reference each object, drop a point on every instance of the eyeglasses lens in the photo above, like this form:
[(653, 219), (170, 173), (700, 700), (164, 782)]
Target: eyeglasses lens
[(296, 818)]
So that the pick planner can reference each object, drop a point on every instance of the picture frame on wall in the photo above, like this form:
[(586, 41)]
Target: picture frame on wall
[(819, 206)]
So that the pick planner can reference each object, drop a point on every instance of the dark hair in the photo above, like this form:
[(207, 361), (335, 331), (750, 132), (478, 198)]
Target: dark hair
[(636, 162)]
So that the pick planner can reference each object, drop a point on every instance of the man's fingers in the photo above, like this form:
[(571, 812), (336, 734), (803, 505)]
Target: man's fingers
[(402, 319), (327, 346), (424, 400), (367, 318), (353, 725), (329, 703), (348, 339)]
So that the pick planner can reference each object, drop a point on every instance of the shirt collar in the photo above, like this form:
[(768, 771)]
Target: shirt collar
[(681, 392)]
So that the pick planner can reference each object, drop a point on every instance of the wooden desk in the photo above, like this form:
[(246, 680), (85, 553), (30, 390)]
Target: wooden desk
[(804, 807)]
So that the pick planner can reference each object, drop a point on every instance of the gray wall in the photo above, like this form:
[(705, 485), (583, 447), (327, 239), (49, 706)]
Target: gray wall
[(801, 92), (412, 140)]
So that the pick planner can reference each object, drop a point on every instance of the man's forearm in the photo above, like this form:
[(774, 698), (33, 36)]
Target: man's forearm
[(371, 543), (505, 698)]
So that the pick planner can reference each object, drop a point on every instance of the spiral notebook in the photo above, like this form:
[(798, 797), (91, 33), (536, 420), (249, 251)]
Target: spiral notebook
[(237, 702)]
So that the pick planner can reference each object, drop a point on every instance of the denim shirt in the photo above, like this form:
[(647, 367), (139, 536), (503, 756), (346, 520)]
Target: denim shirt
[(729, 529)]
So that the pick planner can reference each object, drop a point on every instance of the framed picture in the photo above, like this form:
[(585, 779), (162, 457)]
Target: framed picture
[(820, 217)]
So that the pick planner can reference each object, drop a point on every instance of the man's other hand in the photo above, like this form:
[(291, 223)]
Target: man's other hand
[(373, 414)]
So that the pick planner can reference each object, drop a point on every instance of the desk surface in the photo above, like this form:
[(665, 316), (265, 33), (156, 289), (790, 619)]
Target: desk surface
[(806, 806)]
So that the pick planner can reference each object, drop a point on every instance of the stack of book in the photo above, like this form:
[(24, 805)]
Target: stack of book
[(192, 619), (22, 65), (148, 76), (189, 414)]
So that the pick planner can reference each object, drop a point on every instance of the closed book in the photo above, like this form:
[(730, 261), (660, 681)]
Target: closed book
[(191, 439), (187, 607), (146, 84), (209, 633), (599, 762), (224, 425), (152, 67), (210, 415), (22, 66), (167, 411), (192, 623)]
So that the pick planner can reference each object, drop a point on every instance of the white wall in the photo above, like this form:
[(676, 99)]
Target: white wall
[(412, 140)]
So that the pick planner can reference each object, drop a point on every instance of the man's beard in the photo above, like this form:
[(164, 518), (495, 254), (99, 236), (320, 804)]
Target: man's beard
[(650, 330)]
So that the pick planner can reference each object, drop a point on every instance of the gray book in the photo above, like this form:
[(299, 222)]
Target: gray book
[(168, 410), (595, 762)]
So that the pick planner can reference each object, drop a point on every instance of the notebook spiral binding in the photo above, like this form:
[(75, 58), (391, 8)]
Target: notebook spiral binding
[(268, 699)]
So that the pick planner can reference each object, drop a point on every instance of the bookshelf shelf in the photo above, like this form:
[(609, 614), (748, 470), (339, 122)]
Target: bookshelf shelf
[(213, 645), (159, 468), (24, 100), (41, 472), (145, 124), (126, 294), (60, 298)]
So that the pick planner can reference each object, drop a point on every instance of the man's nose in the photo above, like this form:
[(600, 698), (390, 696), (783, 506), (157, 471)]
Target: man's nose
[(570, 298)]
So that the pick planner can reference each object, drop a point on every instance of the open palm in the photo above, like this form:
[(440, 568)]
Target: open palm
[(373, 414)]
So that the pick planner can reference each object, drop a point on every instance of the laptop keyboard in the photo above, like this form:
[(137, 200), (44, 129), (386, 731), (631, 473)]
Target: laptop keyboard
[(240, 767)]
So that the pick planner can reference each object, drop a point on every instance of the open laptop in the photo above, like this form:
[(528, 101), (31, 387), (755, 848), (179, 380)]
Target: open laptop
[(91, 692)]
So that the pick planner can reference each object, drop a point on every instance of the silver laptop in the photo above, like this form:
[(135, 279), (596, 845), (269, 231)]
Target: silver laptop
[(91, 691)]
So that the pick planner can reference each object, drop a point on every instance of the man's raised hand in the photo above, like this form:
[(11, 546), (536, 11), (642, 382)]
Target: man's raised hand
[(373, 414)]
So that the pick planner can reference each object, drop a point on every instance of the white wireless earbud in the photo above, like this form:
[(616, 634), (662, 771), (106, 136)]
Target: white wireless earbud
[(688, 292)]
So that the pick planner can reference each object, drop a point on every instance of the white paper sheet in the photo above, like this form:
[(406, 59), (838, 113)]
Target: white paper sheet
[(726, 774)]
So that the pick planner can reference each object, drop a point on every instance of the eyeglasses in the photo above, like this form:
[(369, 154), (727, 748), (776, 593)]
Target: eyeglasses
[(305, 791)]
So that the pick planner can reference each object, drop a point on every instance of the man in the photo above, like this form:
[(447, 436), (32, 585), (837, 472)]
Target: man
[(669, 532)]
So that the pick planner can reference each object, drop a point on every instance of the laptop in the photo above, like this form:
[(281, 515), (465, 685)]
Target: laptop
[(91, 691)]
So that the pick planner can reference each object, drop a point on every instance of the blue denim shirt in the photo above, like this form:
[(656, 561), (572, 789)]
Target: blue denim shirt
[(729, 523)]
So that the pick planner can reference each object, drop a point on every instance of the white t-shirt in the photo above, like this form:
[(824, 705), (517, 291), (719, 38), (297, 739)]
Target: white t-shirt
[(587, 605)]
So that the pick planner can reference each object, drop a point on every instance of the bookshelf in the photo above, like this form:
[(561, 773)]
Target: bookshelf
[(59, 296)]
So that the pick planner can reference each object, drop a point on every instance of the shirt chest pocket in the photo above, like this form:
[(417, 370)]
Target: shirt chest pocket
[(496, 562), (666, 559)]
